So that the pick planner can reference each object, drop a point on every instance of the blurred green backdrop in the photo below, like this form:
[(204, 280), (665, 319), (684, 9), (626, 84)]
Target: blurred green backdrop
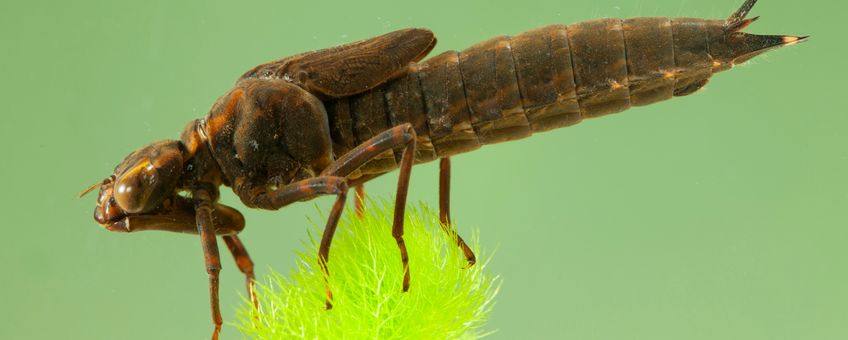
[(717, 216)]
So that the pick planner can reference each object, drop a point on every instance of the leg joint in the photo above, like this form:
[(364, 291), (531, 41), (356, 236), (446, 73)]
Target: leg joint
[(213, 269)]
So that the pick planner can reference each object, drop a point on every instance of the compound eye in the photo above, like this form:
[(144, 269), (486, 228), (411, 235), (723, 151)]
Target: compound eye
[(145, 184), (135, 187)]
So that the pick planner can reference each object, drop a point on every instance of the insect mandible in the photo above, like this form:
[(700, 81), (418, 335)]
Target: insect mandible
[(320, 122)]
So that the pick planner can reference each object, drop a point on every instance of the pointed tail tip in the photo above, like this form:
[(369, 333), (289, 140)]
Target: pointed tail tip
[(792, 40)]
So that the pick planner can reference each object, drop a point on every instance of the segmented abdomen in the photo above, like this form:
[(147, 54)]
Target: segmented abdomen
[(509, 87)]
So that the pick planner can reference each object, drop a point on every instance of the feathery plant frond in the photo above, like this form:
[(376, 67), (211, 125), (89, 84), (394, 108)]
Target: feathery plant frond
[(445, 300)]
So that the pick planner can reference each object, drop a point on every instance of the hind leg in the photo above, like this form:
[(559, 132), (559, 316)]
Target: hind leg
[(444, 210)]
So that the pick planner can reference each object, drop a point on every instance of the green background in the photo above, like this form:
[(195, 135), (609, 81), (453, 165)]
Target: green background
[(718, 216)]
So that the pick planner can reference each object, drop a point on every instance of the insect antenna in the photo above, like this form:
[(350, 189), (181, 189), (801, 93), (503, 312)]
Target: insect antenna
[(90, 189)]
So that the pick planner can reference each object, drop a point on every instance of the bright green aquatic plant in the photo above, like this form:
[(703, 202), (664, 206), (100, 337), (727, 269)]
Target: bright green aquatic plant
[(446, 300)]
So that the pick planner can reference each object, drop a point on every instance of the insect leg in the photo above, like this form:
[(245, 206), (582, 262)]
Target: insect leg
[(444, 210), (399, 136), (203, 203), (305, 190), (326, 239), (444, 190), (360, 200), (400, 201), (244, 263)]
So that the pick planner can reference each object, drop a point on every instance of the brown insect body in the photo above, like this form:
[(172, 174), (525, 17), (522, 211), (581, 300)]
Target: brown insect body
[(510, 87), (318, 122)]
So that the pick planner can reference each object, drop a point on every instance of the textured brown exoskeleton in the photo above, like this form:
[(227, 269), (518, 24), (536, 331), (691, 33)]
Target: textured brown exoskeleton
[(319, 122)]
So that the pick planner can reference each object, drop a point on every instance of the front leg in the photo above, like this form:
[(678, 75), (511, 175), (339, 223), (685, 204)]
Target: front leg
[(245, 265), (203, 203)]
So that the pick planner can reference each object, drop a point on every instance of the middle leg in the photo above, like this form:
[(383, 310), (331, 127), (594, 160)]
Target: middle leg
[(304, 190), (399, 136), (359, 202)]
